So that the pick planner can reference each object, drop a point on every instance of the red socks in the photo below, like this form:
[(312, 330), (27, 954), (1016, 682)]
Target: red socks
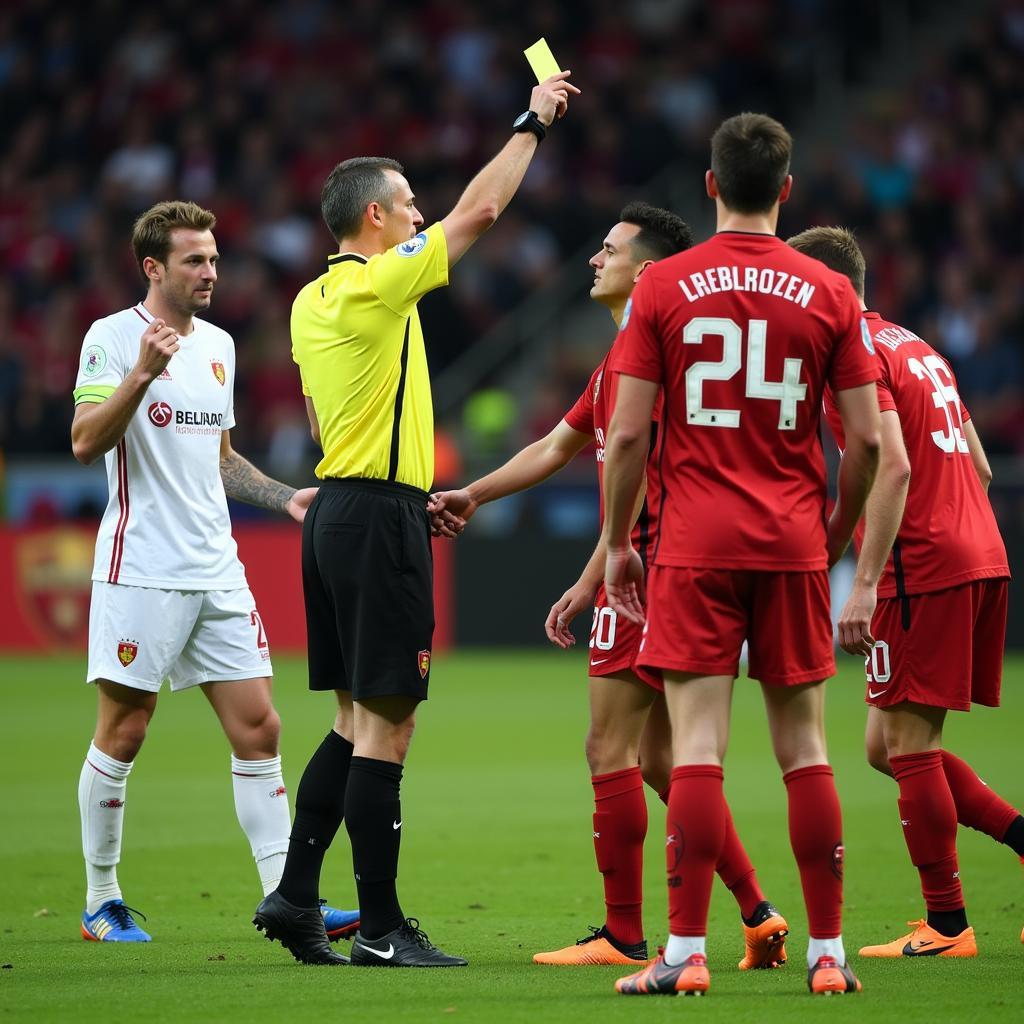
[(977, 806), (816, 834), (736, 871), (620, 826), (696, 832), (734, 867), (928, 815)]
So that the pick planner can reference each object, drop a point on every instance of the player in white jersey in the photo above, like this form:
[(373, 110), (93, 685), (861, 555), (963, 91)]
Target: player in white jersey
[(170, 598)]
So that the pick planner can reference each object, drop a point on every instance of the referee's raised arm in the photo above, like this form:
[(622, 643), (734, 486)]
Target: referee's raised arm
[(492, 189), (367, 567)]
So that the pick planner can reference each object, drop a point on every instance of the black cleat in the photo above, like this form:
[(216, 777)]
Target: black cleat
[(406, 946), (299, 929)]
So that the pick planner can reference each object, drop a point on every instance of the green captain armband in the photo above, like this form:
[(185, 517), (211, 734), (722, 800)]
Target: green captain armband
[(93, 393)]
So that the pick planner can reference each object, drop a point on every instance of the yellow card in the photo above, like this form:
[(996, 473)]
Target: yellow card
[(542, 60)]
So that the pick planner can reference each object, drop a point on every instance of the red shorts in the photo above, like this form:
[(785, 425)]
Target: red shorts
[(614, 642), (697, 620), (944, 649)]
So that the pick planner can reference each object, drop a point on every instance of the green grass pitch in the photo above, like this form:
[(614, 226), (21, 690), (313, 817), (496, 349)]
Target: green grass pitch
[(497, 863)]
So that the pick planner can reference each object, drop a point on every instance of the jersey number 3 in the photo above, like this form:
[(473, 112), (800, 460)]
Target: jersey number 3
[(787, 392)]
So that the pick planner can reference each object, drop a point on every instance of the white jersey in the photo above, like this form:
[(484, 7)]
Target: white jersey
[(166, 524)]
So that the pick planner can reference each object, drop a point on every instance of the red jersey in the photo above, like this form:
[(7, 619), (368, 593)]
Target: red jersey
[(743, 332), (592, 414), (949, 534)]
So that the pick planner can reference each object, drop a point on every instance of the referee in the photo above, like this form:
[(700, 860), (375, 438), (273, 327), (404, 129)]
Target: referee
[(366, 559)]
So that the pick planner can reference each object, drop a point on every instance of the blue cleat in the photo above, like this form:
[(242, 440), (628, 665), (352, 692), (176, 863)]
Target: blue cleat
[(339, 924), (113, 922)]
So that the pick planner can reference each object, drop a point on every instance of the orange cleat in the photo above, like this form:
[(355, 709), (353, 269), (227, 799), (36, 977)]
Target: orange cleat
[(925, 941), (597, 949), (660, 979), (765, 940), (827, 978)]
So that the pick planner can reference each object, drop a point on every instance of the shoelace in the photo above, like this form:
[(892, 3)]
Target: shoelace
[(412, 930), (595, 933), (122, 914)]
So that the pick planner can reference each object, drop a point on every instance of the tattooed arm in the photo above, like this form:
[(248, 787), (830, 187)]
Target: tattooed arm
[(244, 482)]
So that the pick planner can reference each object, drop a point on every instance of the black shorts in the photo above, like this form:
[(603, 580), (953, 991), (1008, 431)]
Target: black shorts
[(368, 582)]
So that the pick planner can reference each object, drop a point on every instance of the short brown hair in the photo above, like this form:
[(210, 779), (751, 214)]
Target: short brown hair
[(351, 187), (151, 235), (837, 248), (750, 156), (662, 233)]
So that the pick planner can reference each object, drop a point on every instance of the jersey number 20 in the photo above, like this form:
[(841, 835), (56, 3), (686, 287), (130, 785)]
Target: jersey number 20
[(787, 392)]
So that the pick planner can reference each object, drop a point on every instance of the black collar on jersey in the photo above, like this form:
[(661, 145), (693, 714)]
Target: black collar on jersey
[(756, 234), (344, 257)]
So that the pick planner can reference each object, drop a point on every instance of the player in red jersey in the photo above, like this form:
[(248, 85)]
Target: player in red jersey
[(932, 557), (742, 333), (628, 742)]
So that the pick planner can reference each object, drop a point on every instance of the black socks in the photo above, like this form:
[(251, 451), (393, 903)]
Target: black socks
[(319, 809), (1014, 837), (948, 922), (373, 817)]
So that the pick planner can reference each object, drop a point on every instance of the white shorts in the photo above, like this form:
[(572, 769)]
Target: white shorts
[(140, 636)]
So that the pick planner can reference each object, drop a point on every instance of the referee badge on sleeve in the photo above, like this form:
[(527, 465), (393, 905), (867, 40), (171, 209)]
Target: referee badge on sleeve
[(414, 246), (423, 660)]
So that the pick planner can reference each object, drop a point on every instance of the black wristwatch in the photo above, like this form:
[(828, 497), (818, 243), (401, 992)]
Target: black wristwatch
[(528, 121)]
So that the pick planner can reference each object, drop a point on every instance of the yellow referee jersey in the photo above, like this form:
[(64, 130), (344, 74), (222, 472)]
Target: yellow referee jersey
[(357, 339)]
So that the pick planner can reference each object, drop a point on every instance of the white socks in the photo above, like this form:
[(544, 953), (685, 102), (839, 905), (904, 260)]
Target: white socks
[(261, 803), (826, 947), (101, 789), (680, 947)]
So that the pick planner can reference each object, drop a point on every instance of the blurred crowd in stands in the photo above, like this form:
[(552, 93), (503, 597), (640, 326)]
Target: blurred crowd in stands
[(245, 107), (932, 180)]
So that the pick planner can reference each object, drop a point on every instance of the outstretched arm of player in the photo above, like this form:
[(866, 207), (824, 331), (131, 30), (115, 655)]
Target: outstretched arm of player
[(527, 468), (882, 517), (625, 458), (580, 595), (98, 427), (244, 482), (493, 187), (978, 456), (858, 409)]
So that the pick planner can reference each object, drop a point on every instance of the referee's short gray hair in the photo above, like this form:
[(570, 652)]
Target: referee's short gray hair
[(351, 187)]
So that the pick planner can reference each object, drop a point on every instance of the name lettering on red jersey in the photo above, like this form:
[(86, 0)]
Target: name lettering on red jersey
[(765, 280)]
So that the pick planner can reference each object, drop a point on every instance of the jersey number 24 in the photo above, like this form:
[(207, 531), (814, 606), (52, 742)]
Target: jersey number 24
[(787, 392)]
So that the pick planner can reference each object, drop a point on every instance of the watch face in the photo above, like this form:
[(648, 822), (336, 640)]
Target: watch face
[(521, 119)]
